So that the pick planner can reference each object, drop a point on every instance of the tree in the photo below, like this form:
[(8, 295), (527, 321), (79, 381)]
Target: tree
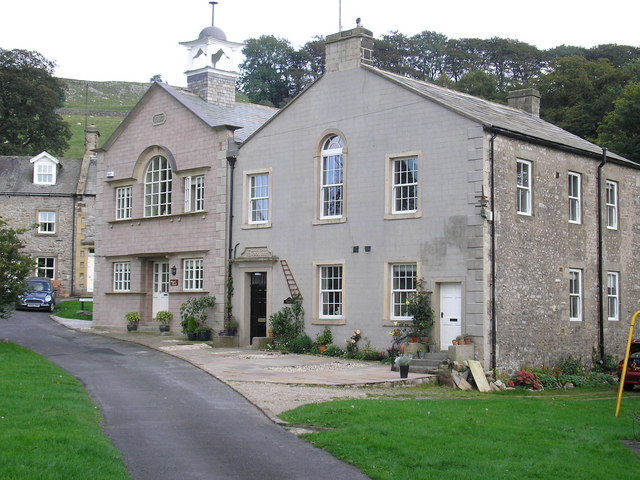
[(577, 93), (15, 266), (267, 73), (29, 96), (429, 55), (620, 130), (478, 84)]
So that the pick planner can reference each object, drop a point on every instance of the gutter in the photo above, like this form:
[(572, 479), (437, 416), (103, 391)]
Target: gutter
[(600, 297)]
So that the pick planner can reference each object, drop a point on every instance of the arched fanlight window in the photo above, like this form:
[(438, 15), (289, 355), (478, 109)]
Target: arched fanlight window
[(332, 175), (157, 188)]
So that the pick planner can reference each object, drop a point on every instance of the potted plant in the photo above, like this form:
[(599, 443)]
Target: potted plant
[(324, 339), (194, 311), (232, 327), (419, 308), (403, 361), (191, 328), (203, 333), (132, 319), (467, 339), (164, 317)]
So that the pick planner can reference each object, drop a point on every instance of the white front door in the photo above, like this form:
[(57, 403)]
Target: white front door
[(91, 265), (450, 313), (160, 287)]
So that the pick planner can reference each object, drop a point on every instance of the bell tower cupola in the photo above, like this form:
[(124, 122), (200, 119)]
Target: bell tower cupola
[(212, 64)]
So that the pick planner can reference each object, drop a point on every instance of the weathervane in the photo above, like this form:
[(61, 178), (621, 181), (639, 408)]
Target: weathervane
[(213, 8)]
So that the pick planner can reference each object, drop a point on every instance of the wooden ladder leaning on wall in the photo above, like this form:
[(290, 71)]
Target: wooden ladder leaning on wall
[(291, 281)]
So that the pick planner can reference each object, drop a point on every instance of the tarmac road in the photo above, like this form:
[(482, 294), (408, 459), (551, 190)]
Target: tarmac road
[(170, 419)]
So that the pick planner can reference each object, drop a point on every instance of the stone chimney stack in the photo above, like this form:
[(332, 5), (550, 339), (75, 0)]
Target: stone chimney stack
[(348, 49), (527, 100)]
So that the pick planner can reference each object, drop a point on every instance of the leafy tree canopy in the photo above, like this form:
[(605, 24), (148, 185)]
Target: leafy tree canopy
[(29, 96), (620, 130), (577, 93), (15, 266)]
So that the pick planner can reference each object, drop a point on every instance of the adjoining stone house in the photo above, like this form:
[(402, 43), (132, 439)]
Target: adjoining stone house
[(162, 191), (368, 182), (58, 196)]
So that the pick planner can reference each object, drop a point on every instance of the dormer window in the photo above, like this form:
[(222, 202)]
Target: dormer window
[(44, 169), (44, 174)]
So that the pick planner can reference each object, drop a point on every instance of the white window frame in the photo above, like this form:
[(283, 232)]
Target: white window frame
[(258, 199), (404, 280), (47, 222), (611, 194), (575, 294), (524, 187), (124, 198), (122, 276), (194, 193), (157, 187), (575, 197), (331, 291), (46, 267), (193, 274), (332, 173), (405, 184), (613, 296)]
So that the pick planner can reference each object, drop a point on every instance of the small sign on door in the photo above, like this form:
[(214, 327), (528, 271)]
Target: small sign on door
[(173, 282)]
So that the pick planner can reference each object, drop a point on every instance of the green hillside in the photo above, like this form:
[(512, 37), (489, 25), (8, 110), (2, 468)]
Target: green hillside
[(104, 104), (117, 96)]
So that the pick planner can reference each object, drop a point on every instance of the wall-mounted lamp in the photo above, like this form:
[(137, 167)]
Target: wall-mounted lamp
[(174, 270)]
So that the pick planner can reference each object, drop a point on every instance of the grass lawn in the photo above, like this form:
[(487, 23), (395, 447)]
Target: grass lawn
[(492, 436), (49, 428), (70, 309)]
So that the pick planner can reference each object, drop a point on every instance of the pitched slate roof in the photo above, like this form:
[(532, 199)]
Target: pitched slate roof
[(246, 117), (496, 115), (16, 176)]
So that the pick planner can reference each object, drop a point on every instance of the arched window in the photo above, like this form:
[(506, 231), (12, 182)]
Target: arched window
[(157, 188), (332, 175)]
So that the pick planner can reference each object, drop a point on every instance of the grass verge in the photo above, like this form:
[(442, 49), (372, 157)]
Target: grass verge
[(546, 436), (49, 429), (71, 309)]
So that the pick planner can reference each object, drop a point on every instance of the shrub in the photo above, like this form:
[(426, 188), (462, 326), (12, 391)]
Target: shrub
[(569, 365), (300, 344), (164, 316), (526, 379), (419, 308), (132, 317), (288, 323), (333, 351), (192, 325), (196, 308), (325, 338)]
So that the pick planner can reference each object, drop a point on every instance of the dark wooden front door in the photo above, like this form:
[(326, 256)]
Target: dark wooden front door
[(258, 311)]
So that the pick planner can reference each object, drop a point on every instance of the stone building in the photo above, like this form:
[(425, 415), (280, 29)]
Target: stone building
[(368, 182), (162, 191), (58, 196)]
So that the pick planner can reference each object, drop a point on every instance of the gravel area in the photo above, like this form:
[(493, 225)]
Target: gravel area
[(275, 398)]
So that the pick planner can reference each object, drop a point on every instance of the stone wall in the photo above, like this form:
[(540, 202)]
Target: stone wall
[(535, 253)]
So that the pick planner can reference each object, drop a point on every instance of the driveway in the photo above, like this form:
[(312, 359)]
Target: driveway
[(170, 419)]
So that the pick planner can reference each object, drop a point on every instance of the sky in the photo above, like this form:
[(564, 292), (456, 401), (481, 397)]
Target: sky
[(133, 40)]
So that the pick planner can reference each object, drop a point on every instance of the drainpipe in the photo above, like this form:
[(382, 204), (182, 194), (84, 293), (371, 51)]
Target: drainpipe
[(232, 158), (600, 262), (492, 230), (72, 291)]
